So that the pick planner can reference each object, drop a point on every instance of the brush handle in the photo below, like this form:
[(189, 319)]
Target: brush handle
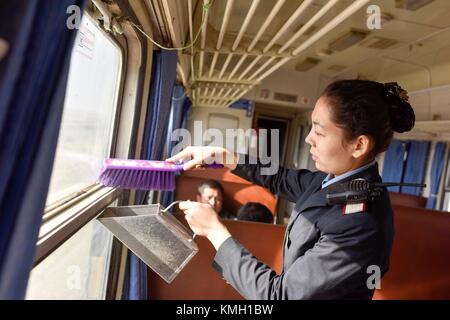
[(151, 165), (141, 165), (213, 166)]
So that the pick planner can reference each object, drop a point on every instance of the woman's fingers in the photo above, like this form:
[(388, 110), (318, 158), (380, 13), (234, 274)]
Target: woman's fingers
[(197, 157), (195, 163), (188, 217), (185, 205), (186, 153)]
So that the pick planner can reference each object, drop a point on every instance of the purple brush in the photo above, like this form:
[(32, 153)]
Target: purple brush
[(142, 174)]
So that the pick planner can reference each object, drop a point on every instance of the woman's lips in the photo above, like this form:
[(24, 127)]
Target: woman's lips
[(313, 157)]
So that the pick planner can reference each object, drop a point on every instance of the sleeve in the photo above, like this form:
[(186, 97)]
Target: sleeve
[(283, 182), (334, 268)]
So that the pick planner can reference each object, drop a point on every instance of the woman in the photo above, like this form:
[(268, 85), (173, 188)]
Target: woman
[(326, 254)]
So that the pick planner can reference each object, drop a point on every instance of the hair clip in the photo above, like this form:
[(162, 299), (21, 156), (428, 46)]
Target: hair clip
[(393, 88)]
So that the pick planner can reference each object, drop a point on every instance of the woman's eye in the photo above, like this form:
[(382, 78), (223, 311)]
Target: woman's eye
[(319, 134)]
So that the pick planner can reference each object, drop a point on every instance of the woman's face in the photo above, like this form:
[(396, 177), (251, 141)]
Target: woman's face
[(329, 149)]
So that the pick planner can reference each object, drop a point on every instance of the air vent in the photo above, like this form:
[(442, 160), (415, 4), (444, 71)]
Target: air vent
[(379, 43), (411, 4), (337, 67), (307, 64), (324, 52), (347, 40), (285, 97)]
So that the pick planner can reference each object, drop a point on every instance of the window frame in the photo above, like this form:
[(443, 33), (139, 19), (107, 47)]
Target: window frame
[(73, 196), (64, 217), (76, 210), (60, 228)]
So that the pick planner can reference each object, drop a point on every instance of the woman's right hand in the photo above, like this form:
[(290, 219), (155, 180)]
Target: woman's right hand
[(195, 157)]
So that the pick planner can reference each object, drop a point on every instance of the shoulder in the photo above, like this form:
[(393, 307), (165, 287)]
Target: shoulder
[(371, 215), (360, 223), (309, 178)]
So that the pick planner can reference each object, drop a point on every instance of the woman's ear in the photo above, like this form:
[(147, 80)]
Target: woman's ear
[(361, 146)]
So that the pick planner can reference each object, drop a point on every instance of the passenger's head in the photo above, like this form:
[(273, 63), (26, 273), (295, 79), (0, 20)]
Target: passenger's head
[(354, 120), (211, 191), (253, 211)]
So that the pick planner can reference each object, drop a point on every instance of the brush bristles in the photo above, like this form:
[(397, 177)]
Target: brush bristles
[(138, 179)]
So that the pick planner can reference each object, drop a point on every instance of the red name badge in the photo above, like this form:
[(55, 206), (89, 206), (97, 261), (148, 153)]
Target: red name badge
[(354, 208)]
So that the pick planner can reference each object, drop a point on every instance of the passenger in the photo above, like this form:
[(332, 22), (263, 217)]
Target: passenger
[(330, 251), (211, 192), (254, 211)]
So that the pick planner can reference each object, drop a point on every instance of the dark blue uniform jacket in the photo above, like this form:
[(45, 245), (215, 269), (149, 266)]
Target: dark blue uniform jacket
[(326, 254)]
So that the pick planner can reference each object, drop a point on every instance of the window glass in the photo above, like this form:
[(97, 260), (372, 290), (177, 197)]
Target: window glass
[(78, 269), (88, 117)]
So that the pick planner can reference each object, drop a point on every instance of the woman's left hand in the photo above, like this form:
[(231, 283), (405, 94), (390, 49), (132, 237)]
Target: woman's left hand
[(204, 221)]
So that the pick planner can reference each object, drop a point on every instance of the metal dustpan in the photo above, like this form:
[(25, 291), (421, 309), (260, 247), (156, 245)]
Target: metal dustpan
[(156, 237)]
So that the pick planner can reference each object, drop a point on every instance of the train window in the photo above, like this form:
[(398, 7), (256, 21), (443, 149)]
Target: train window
[(91, 97), (78, 269)]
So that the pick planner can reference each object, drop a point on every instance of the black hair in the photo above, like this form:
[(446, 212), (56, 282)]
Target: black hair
[(212, 184), (364, 107), (253, 211)]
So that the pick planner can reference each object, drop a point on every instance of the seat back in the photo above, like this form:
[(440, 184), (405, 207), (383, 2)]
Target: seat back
[(419, 266), (420, 260), (404, 199), (199, 280)]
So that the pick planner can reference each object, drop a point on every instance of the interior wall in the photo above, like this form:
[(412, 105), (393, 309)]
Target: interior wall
[(428, 87), (305, 85), (202, 116)]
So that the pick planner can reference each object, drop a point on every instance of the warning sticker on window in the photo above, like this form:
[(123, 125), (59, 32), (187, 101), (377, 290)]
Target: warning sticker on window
[(85, 43)]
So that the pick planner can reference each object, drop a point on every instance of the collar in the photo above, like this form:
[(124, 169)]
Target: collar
[(330, 179), (317, 197)]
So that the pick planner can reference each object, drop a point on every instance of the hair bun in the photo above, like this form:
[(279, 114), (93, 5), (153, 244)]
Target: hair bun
[(401, 113)]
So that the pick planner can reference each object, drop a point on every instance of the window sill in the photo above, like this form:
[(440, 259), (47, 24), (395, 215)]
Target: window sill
[(58, 228)]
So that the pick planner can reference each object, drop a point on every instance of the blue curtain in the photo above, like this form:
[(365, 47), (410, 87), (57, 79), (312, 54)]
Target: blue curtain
[(179, 113), (158, 113), (436, 172), (415, 165), (244, 104), (394, 163), (33, 78)]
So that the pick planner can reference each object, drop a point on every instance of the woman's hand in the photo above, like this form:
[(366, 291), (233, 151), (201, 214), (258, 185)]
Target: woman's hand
[(198, 156), (204, 221)]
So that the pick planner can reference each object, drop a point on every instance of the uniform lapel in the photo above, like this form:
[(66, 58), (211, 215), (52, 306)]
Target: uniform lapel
[(313, 198), (316, 199)]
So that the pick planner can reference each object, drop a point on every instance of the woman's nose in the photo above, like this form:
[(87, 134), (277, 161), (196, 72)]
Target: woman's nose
[(308, 139)]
